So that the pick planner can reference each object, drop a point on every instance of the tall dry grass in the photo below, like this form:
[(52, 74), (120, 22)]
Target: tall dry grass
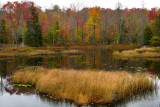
[(31, 51), (142, 52), (100, 46), (84, 87), (7, 51)]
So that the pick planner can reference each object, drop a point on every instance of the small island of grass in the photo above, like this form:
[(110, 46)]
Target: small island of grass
[(152, 52), (84, 87)]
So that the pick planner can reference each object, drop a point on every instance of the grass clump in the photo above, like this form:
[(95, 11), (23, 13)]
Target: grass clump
[(141, 53), (31, 51), (53, 50), (85, 87), (100, 46)]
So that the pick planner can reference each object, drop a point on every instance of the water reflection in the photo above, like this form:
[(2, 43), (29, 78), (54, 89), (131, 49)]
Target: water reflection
[(94, 59), (1, 86)]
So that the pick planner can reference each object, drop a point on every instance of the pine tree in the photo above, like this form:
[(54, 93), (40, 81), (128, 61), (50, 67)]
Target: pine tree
[(3, 32), (34, 33), (57, 31), (123, 32), (147, 35), (157, 26)]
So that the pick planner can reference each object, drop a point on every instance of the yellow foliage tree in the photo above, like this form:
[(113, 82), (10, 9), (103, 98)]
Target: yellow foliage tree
[(94, 25)]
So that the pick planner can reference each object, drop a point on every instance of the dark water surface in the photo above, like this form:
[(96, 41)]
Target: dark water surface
[(93, 59)]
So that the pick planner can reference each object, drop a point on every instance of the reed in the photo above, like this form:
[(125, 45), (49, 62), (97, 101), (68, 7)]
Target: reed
[(84, 87), (100, 46), (141, 53), (52, 50), (30, 51)]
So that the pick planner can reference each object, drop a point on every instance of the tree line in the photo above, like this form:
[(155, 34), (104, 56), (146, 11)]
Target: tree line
[(24, 23)]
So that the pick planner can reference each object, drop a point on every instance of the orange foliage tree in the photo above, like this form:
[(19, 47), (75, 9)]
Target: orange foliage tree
[(94, 25)]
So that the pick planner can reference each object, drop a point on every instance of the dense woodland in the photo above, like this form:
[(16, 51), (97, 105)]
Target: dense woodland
[(25, 24)]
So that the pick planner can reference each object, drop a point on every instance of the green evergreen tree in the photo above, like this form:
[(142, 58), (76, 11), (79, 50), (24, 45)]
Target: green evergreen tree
[(123, 32), (3, 32), (147, 35), (157, 26), (57, 32), (34, 33)]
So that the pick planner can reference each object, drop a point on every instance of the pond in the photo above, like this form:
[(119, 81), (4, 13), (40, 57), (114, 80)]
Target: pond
[(88, 59)]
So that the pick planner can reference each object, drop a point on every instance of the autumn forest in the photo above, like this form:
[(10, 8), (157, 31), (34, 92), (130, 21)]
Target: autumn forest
[(25, 23)]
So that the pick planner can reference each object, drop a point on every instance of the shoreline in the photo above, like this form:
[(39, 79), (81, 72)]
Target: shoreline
[(152, 52), (34, 51)]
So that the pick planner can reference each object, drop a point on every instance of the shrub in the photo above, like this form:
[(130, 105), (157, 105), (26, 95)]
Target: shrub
[(155, 41)]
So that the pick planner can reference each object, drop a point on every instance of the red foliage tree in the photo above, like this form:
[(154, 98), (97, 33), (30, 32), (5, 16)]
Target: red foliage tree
[(152, 14)]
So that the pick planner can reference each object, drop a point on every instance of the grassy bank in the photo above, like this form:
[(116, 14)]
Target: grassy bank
[(140, 53), (84, 87), (112, 46), (29, 51), (52, 50)]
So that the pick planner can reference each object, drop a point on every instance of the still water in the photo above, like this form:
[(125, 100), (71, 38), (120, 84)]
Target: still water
[(93, 59)]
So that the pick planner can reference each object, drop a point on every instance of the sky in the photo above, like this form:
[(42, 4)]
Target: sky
[(90, 3)]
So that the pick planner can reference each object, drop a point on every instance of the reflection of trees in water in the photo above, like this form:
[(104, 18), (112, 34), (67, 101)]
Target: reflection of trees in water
[(5, 85), (3, 68), (55, 102), (36, 61), (53, 62), (91, 59), (153, 66), (44, 98), (1, 82), (1, 86), (156, 66), (132, 99)]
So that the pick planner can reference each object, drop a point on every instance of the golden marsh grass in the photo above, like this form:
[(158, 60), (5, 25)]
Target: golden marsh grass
[(30, 51), (84, 87), (52, 50), (141, 53)]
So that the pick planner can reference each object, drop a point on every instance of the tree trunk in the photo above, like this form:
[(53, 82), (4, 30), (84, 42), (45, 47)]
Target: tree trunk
[(94, 27), (22, 32), (53, 38)]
